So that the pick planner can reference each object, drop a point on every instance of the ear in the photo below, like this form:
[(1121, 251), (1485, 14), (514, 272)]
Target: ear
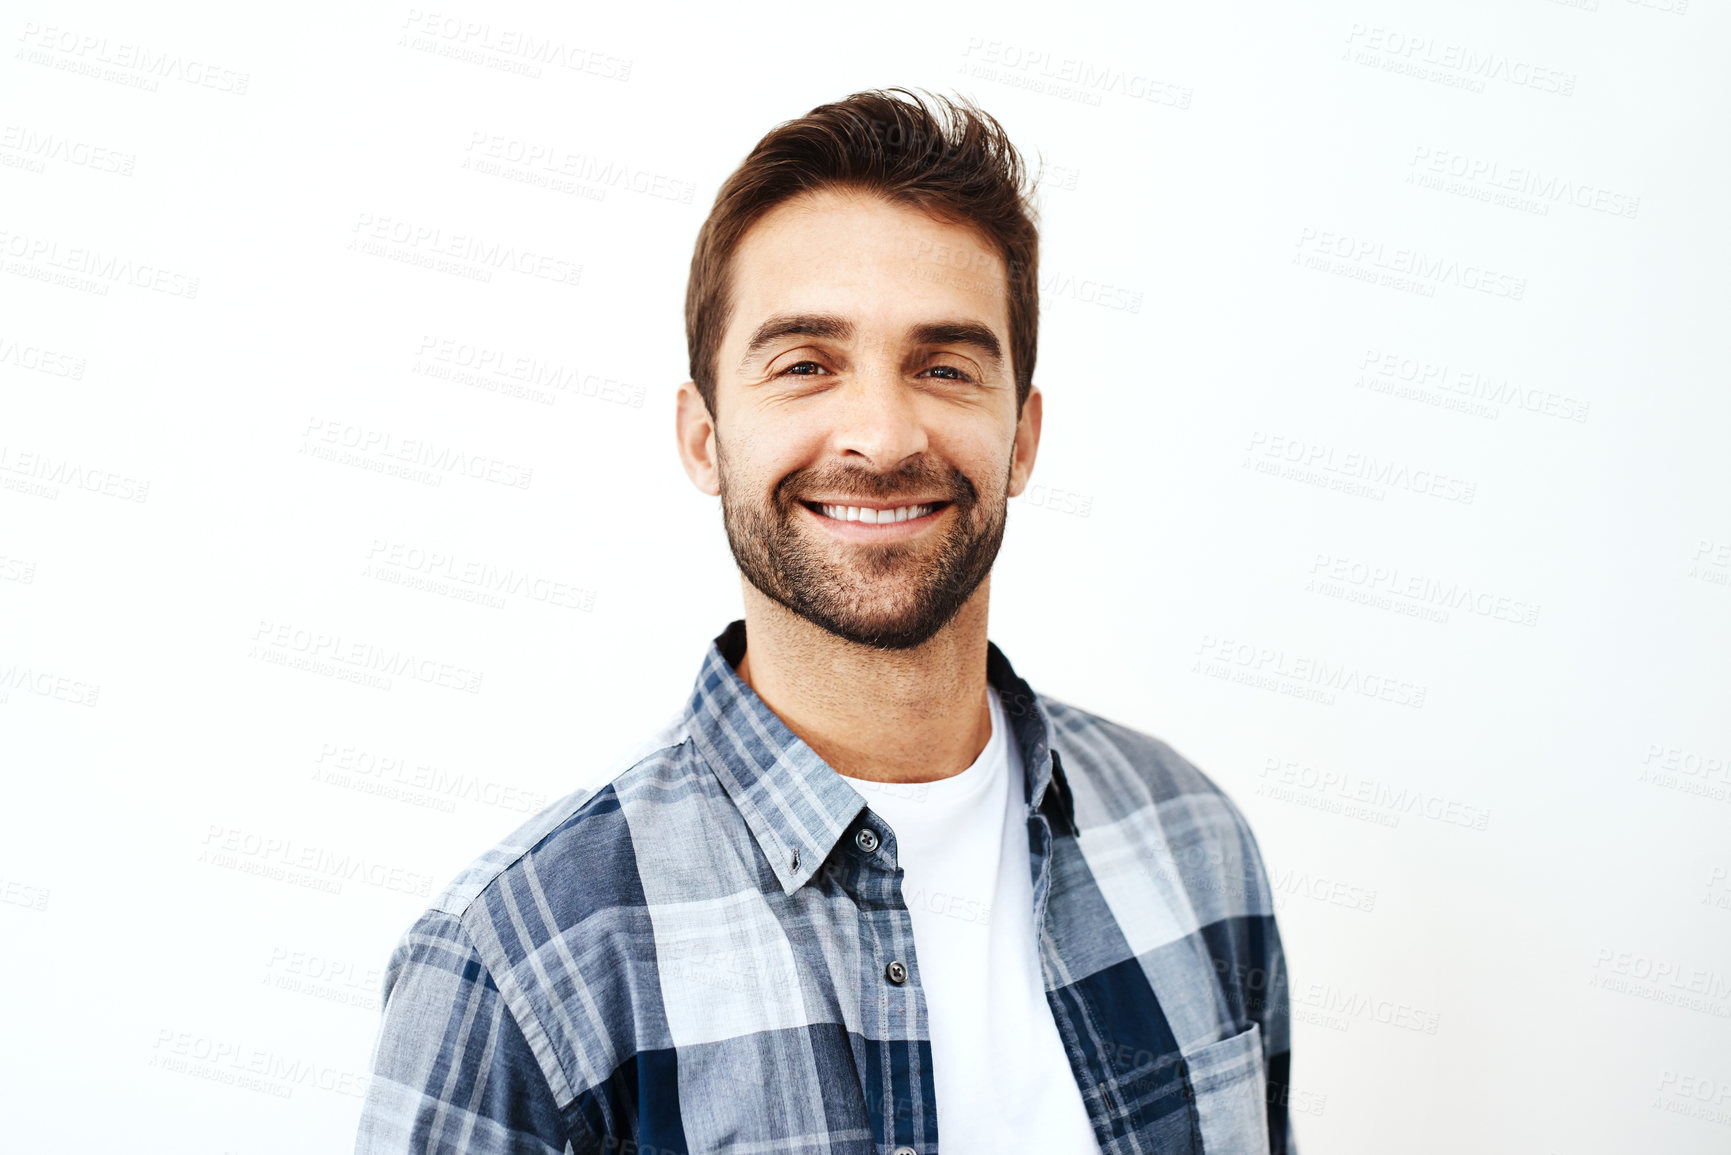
[(1027, 442), (695, 431)]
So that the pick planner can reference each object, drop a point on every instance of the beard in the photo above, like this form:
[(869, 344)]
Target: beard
[(892, 596)]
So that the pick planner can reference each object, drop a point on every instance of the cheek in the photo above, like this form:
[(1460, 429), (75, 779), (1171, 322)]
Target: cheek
[(753, 479), (774, 447), (988, 467)]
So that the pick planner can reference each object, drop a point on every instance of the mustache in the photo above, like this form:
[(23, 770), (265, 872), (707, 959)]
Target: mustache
[(910, 481)]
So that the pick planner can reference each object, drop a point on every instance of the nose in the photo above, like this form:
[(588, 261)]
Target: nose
[(877, 421)]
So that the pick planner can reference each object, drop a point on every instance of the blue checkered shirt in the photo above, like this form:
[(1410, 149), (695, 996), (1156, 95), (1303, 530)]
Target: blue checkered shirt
[(707, 953)]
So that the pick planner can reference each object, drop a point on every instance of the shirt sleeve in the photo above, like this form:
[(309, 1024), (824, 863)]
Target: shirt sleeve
[(1264, 988), (1271, 1008), (452, 1073)]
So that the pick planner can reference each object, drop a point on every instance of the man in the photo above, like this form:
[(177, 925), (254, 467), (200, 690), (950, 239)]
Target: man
[(867, 889)]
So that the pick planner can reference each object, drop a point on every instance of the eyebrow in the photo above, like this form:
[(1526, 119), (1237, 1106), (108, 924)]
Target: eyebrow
[(825, 325), (830, 327), (971, 333)]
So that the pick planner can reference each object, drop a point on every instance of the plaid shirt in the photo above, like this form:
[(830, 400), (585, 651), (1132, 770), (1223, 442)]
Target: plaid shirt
[(707, 953)]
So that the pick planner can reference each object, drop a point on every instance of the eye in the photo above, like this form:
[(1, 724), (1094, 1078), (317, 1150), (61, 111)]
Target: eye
[(803, 369), (951, 373)]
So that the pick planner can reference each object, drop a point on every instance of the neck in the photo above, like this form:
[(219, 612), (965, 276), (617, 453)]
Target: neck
[(913, 715)]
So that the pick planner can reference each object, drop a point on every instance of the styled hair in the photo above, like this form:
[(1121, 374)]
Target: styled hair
[(947, 157)]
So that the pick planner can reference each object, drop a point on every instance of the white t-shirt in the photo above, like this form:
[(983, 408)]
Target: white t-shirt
[(1002, 1078)]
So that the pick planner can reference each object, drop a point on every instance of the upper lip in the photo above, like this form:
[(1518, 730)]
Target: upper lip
[(859, 504)]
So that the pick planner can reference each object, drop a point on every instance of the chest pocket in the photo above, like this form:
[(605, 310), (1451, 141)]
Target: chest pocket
[(1229, 1086)]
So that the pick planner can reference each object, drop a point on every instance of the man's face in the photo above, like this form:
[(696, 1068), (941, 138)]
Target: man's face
[(867, 439)]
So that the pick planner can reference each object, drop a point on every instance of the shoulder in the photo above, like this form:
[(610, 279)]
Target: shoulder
[(1121, 758), (588, 820), (1117, 772), (505, 932)]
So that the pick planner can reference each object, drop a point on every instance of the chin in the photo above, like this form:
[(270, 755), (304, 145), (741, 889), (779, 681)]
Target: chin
[(886, 639), (899, 630)]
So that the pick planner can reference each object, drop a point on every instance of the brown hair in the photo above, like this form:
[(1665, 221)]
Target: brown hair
[(950, 159)]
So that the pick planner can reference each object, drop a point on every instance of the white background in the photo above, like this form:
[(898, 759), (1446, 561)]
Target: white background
[(1483, 742)]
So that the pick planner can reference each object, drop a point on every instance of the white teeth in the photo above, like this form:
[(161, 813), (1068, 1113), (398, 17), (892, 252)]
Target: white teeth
[(872, 516)]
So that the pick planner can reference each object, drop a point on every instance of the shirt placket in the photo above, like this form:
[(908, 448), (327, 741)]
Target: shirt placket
[(1088, 1075), (895, 1056)]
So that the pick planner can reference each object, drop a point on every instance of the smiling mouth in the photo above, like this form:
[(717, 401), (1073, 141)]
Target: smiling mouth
[(871, 515)]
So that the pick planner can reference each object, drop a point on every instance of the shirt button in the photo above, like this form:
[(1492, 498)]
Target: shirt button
[(866, 839), (904, 1151), (896, 972)]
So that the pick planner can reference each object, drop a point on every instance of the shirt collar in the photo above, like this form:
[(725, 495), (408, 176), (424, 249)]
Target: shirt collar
[(795, 805)]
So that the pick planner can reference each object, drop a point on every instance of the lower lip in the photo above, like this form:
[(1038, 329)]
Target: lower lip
[(875, 531)]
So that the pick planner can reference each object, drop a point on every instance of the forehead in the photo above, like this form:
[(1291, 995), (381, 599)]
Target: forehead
[(857, 255)]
